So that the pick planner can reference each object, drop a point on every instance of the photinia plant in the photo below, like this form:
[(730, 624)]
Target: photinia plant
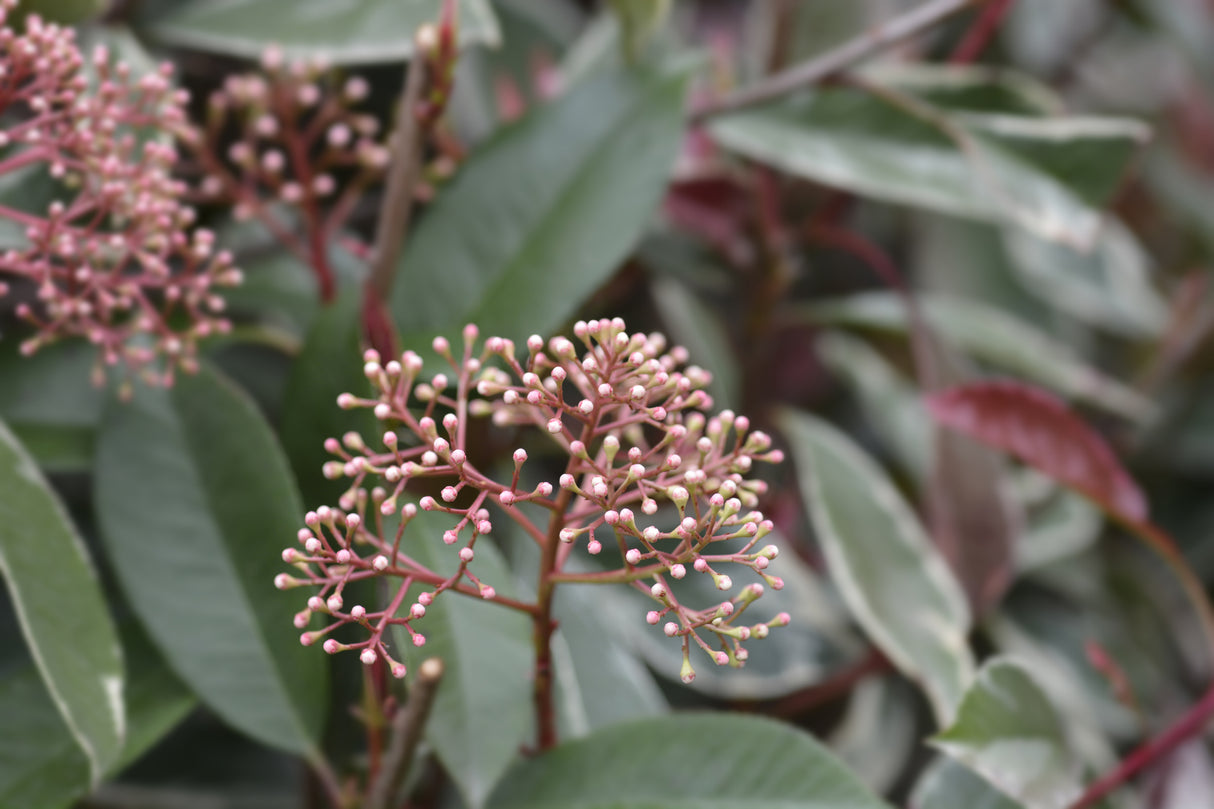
[(281, 526)]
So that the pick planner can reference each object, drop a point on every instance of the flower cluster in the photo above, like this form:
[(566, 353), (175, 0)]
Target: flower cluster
[(289, 137), (648, 482), (112, 259)]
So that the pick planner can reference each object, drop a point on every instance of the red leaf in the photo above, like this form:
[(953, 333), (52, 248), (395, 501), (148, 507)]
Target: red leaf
[(1040, 430)]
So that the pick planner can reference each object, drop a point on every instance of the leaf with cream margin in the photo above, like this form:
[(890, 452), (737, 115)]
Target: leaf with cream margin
[(992, 336), (1008, 731), (60, 608), (340, 32), (889, 574)]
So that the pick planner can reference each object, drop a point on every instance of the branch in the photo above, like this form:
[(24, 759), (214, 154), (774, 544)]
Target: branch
[(407, 727), (979, 36), (1189, 725), (835, 61), (397, 208)]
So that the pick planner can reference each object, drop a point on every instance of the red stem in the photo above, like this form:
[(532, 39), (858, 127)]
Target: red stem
[(1188, 725), (981, 32)]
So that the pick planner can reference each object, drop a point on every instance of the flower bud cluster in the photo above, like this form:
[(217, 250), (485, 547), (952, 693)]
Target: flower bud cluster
[(648, 482), (289, 135), (112, 259)]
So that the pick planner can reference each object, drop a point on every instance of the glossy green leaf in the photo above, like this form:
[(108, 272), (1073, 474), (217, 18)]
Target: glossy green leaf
[(972, 88), (329, 364), (994, 337), (1108, 286), (1058, 522), (279, 290), (599, 681), (41, 766), (689, 761), (889, 402), (879, 731), (950, 785), (50, 403), (195, 502), (1007, 730), (338, 31), (482, 713), (996, 168), (60, 608), (540, 217), (889, 574), (67, 12), (695, 326)]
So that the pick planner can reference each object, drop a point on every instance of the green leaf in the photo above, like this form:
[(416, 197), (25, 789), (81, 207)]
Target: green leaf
[(195, 502), (689, 761), (697, 327), (878, 733), (41, 766), (60, 607), (66, 12), (540, 217), (482, 713), (995, 337), (348, 32), (599, 681), (50, 403), (889, 574), (969, 88), (890, 404), (949, 785), (997, 168), (328, 365), (1108, 286), (1059, 523), (1007, 730)]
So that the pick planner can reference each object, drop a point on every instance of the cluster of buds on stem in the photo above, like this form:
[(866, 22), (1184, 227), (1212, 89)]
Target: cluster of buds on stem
[(647, 483), (289, 135), (113, 258)]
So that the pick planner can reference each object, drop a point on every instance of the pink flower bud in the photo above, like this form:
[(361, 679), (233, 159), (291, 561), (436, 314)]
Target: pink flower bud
[(633, 556), (368, 656), (380, 563), (331, 646), (466, 554), (671, 629), (652, 617), (357, 612)]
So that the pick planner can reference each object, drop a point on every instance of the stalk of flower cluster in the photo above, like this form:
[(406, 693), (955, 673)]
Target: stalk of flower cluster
[(645, 473), (112, 259)]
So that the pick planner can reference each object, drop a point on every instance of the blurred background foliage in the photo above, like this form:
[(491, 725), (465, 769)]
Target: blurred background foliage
[(1043, 190)]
